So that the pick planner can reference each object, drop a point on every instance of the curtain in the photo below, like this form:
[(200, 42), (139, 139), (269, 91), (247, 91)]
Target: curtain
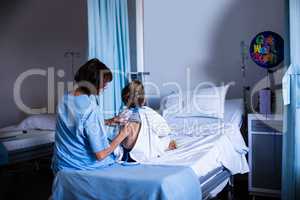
[(109, 42), (291, 95)]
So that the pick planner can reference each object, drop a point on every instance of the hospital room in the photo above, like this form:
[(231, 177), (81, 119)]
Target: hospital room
[(150, 100)]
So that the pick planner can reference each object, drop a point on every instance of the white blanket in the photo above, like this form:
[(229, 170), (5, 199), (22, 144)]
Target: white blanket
[(206, 152), (153, 137)]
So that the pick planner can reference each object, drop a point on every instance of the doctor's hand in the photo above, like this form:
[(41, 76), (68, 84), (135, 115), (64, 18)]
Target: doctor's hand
[(116, 121), (124, 132), (120, 120)]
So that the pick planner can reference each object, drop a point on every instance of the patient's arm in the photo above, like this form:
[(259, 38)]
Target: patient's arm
[(113, 145)]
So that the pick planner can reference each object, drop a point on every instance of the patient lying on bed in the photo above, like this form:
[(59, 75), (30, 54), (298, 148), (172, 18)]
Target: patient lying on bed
[(148, 132)]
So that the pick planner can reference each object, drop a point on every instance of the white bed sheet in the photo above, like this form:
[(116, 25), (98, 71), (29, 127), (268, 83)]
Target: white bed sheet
[(33, 122), (206, 153), (223, 146)]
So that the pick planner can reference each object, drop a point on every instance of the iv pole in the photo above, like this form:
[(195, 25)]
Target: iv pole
[(73, 55), (246, 89)]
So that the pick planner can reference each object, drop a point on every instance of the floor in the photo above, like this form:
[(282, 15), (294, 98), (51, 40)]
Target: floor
[(26, 181), (240, 191), (33, 181)]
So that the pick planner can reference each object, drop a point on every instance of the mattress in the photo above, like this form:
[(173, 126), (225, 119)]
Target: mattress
[(214, 182)]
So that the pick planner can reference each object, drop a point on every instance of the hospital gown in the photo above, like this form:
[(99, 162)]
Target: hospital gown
[(80, 133), (153, 138)]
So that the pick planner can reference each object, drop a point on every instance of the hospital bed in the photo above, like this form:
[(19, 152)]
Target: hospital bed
[(20, 146), (213, 157), (31, 139)]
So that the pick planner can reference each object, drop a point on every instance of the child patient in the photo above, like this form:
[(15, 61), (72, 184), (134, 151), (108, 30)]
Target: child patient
[(148, 133)]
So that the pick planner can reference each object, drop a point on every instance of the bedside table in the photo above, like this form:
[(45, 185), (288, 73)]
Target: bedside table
[(265, 154)]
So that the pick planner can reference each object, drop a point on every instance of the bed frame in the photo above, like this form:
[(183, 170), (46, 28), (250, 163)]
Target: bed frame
[(216, 177), (25, 146), (26, 154), (213, 179), (31, 153)]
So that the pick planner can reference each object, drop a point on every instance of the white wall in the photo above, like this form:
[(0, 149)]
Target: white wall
[(36, 34), (205, 35)]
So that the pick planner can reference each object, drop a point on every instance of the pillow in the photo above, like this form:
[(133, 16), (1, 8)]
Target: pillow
[(39, 122), (195, 126), (202, 102), (171, 104)]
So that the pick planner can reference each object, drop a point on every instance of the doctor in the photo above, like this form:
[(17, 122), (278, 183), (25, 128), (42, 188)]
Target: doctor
[(81, 142)]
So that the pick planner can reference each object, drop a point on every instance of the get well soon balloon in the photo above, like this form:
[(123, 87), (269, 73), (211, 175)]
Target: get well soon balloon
[(267, 49)]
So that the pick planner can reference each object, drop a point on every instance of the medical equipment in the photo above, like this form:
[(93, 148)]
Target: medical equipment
[(73, 55), (246, 89), (141, 76)]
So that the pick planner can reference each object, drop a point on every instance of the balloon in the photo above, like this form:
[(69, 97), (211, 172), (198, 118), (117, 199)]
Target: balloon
[(267, 49)]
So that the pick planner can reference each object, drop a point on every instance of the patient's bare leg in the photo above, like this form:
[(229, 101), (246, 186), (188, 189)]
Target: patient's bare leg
[(133, 129)]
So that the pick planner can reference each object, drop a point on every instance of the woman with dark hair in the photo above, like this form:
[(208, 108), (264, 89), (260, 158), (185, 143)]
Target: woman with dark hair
[(81, 141)]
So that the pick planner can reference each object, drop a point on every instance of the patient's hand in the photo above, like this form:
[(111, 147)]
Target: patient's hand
[(172, 145)]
